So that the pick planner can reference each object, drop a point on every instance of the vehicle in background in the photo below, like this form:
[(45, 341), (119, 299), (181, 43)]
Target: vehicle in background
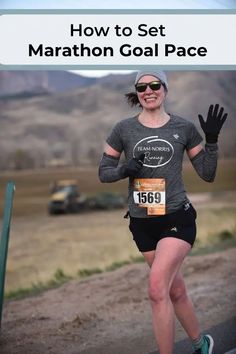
[(66, 198), (106, 200)]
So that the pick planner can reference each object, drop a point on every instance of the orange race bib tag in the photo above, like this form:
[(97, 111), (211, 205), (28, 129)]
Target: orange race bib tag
[(150, 193)]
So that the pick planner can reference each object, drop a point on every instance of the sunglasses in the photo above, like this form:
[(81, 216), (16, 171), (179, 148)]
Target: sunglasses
[(142, 86)]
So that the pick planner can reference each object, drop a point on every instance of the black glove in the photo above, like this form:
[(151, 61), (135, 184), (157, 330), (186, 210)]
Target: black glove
[(134, 165), (213, 124)]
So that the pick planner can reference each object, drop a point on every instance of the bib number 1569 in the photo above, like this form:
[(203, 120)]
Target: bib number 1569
[(147, 197)]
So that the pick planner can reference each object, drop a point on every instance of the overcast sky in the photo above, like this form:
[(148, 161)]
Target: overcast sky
[(117, 4)]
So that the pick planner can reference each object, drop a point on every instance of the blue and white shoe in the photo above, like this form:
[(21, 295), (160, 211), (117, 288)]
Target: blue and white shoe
[(207, 347)]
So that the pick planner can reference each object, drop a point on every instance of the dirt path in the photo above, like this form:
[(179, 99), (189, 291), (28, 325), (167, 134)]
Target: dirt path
[(113, 307)]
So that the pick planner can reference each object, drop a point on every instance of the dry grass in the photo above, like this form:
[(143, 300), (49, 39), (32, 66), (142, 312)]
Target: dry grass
[(32, 187), (43, 244), (40, 244)]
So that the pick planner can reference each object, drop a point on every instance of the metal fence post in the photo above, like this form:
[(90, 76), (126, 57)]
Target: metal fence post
[(6, 221)]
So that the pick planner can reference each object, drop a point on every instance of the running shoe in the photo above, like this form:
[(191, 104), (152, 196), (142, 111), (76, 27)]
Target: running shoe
[(207, 346)]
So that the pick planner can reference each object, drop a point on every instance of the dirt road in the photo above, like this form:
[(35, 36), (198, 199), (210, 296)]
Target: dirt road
[(111, 310)]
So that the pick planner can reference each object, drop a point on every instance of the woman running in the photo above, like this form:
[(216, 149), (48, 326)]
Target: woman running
[(162, 218)]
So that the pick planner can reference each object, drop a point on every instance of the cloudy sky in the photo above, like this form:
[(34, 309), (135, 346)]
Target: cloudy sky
[(117, 4)]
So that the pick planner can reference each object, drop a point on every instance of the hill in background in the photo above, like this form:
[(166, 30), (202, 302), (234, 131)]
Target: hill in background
[(57, 117)]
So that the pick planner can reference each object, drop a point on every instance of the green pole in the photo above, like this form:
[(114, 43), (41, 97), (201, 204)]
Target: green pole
[(5, 238)]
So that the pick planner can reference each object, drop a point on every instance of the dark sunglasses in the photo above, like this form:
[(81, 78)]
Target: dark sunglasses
[(142, 86)]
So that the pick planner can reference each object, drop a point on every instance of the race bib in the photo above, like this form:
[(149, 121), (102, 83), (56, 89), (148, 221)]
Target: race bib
[(150, 193)]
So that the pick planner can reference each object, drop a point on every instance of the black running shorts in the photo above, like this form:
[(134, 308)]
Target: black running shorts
[(180, 224)]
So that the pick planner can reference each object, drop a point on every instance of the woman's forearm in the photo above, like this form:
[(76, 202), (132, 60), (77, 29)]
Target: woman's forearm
[(205, 162)]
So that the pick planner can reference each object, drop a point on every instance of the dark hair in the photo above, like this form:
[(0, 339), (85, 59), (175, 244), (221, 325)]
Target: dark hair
[(132, 99)]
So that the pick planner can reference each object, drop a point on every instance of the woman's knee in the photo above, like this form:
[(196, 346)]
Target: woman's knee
[(157, 290), (178, 293)]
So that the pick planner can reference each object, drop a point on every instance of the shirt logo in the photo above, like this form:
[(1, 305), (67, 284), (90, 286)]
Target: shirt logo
[(174, 229), (176, 136), (158, 152)]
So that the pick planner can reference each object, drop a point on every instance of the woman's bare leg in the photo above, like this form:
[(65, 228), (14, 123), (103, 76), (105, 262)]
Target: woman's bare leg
[(183, 307), (169, 255)]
